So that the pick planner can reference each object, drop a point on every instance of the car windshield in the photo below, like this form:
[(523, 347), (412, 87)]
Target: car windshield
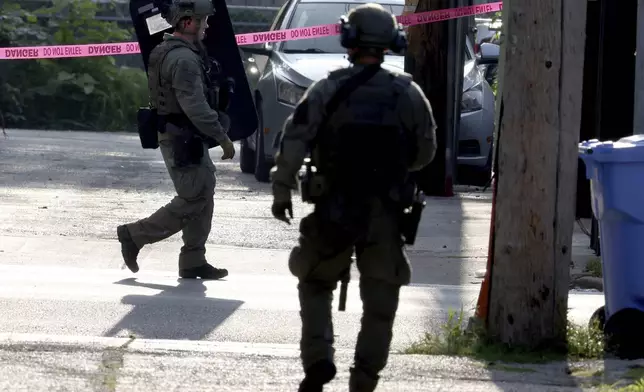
[(313, 14)]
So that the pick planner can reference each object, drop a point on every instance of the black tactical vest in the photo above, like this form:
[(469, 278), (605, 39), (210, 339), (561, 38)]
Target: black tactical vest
[(364, 149)]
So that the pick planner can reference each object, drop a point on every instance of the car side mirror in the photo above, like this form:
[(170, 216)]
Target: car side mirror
[(489, 54)]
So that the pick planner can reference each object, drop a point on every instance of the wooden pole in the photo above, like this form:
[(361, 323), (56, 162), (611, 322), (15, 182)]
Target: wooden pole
[(427, 61), (538, 136), (483, 304), (638, 120)]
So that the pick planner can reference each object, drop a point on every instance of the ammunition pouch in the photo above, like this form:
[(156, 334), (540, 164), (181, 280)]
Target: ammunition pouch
[(187, 145), (413, 204), (148, 125), (313, 185), (188, 150)]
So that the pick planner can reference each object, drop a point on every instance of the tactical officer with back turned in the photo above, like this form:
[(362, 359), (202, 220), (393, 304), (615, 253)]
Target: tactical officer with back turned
[(366, 129), (188, 123)]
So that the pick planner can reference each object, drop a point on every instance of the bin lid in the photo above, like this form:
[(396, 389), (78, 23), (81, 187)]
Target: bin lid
[(627, 149)]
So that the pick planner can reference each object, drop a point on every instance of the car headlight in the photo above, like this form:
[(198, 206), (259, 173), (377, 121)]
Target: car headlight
[(288, 93), (472, 99)]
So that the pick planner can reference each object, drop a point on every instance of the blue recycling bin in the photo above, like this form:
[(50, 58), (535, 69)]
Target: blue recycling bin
[(616, 174)]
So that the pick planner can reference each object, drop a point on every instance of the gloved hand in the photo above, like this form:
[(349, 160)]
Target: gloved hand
[(279, 210), (229, 149), (282, 203)]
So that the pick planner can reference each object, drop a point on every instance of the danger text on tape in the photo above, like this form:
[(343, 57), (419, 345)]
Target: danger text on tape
[(334, 29), (62, 51), (288, 35)]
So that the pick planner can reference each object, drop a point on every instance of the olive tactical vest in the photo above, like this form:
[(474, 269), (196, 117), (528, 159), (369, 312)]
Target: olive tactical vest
[(364, 148), (161, 95)]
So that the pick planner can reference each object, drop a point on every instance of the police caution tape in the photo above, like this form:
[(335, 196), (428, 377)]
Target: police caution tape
[(288, 35), (62, 51), (447, 14)]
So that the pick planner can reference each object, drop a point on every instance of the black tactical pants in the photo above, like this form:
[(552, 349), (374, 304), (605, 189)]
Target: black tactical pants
[(323, 255)]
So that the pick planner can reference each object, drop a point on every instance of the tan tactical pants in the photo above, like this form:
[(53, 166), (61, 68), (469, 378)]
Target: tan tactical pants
[(190, 211), (323, 255)]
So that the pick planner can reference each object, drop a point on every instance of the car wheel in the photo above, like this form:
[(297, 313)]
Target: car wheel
[(262, 167), (246, 157)]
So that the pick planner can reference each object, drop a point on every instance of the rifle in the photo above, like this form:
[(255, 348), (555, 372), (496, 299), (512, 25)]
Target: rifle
[(414, 204), (344, 286)]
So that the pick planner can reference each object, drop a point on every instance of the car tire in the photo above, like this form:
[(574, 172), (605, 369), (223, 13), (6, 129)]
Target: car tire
[(262, 166), (246, 157)]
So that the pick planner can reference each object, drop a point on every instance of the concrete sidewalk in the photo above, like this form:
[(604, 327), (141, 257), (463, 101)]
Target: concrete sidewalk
[(78, 186), (475, 207), (125, 365)]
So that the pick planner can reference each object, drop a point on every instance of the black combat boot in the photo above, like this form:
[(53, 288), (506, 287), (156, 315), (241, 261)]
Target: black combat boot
[(205, 272), (317, 375), (129, 250), (359, 381)]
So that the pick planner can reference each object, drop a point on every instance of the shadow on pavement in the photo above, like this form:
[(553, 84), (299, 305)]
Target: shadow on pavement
[(181, 312)]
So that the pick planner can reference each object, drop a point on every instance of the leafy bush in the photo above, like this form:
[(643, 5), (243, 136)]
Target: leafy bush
[(583, 342), (70, 93)]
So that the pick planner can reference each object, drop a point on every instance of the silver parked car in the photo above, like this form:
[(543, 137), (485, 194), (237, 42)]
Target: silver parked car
[(289, 68)]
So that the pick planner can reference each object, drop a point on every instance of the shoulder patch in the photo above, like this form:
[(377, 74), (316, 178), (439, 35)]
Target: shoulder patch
[(301, 114)]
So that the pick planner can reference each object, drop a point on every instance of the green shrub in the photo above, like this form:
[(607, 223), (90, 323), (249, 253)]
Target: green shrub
[(583, 342), (70, 93)]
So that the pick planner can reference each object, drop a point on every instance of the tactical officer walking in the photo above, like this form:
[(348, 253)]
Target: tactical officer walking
[(366, 129), (188, 125)]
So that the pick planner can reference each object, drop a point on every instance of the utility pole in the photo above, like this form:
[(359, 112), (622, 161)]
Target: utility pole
[(431, 63), (638, 120), (540, 112)]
